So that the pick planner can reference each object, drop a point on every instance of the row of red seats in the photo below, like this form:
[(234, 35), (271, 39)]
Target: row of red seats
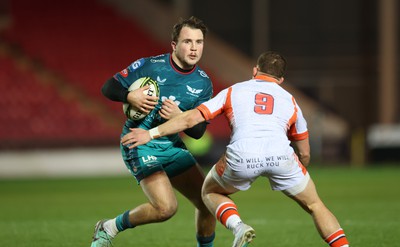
[(82, 40), (34, 114)]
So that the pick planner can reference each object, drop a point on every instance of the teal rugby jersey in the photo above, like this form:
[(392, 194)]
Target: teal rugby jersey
[(188, 90)]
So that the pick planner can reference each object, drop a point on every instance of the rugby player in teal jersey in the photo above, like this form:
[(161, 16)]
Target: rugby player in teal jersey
[(165, 163)]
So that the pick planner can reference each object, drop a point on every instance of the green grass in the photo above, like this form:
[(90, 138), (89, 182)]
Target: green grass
[(62, 212)]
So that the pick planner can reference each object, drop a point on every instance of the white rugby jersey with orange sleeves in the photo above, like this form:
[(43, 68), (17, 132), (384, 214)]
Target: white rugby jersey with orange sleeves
[(264, 118)]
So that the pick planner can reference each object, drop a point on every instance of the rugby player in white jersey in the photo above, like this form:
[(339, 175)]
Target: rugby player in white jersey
[(266, 123)]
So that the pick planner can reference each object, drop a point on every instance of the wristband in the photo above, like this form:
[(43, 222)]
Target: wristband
[(154, 133)]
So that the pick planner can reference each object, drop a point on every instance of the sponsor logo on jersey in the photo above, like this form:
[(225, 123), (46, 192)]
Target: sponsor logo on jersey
[(161, 81), (137, 64), (171, 97), (124, 73), (193, 91), (157, 60), (203, 74)]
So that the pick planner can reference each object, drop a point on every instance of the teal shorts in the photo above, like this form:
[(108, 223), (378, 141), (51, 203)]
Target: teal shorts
[(153, 157)]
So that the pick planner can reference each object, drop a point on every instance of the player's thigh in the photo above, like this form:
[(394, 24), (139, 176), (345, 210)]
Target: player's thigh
[(214, 183), (307, 197), (189, 183), (158, 190), (142, 161)]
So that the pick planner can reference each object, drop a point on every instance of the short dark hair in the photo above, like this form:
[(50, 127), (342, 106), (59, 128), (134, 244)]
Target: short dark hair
[(192, 22), (272, 63)]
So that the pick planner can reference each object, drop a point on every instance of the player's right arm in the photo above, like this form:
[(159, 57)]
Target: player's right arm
[(113, 90), (302, 149), (299, 137)]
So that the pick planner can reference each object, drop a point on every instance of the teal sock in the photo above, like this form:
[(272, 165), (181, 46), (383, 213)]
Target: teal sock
[(123, 222), (205, 241)]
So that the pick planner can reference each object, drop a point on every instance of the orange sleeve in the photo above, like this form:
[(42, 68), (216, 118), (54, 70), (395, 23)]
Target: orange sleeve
[(205, 112), (292, 133), (294, 136), (219, 108)]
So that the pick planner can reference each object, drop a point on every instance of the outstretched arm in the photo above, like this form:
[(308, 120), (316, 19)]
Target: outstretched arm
[(177, 124)]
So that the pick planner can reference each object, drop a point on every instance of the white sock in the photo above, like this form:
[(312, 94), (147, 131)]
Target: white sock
[(110, 227), (233, 222)]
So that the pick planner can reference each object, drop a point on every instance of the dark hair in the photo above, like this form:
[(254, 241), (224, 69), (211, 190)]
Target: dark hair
[(272, 63), (192, 22)]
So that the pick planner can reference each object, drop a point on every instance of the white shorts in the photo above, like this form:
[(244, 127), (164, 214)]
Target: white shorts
[(284, 172)]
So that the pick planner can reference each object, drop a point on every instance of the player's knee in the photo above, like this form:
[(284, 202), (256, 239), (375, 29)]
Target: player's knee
[(165, 212), (204, 196)]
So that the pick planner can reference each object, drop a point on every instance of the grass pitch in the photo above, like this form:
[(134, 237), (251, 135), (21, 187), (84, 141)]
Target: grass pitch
[(63, 212)]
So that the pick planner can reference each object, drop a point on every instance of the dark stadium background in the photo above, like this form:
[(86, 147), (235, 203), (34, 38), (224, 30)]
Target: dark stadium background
[(55, 56), (60, 166)]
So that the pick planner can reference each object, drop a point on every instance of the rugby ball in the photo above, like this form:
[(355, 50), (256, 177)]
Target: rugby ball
[(130, 111)]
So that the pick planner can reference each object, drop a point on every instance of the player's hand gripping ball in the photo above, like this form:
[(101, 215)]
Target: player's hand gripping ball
[(130, 111)]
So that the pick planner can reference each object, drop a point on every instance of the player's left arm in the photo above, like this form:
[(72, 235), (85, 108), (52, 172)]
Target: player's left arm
[(181, 122)]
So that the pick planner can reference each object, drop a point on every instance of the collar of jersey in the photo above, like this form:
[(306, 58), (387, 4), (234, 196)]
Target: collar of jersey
[(179, 69), (266, 78)]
